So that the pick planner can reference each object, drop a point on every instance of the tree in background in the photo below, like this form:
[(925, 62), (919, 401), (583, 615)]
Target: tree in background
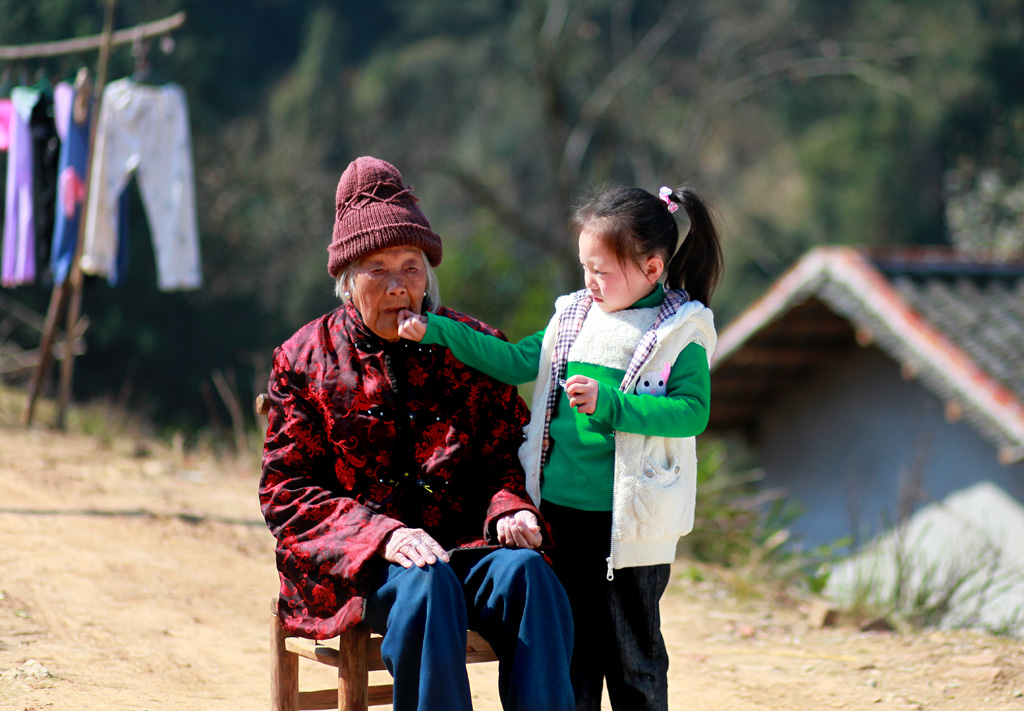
[(578, 94), (807, 122), (986, 217)]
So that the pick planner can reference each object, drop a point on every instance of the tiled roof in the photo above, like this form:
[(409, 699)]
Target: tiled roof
[(954, 323)]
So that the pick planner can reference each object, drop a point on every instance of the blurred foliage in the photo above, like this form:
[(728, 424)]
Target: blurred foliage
[(804, 122)]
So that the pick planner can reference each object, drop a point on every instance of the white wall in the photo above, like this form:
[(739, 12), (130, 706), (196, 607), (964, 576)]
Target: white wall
[(843, 440)]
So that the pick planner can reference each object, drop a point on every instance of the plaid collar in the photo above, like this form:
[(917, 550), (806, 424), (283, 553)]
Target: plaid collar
[(674, 298), (569, 324)]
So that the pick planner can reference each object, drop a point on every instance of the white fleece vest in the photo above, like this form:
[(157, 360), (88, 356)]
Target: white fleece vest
[(655, 486)]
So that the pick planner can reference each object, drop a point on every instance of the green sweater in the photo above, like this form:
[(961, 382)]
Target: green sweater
[(580, 470)]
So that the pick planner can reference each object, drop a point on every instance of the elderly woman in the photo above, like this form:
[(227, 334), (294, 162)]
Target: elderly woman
[(391, 479)]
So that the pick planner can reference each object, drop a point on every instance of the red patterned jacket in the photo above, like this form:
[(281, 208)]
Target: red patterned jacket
[(365, 437)]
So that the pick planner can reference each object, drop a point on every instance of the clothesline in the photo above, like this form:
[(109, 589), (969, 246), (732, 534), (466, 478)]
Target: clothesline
[(83, 44), (66, 297)]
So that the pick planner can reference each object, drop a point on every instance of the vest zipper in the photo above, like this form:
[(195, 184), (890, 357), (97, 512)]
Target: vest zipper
[(610, 560), (610, 575)]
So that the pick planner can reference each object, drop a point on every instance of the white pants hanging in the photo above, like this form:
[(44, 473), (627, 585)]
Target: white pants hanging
[(145, 129)]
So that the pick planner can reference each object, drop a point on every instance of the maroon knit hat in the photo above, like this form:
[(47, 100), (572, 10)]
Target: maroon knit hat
[(375, 210)]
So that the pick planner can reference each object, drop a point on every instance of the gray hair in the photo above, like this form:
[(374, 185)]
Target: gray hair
[(344, 284)]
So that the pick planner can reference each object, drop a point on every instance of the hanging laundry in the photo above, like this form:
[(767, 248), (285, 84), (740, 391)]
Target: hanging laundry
[(6, 110), (31, 184), (73, 117), (144, 129), (46, 155), (18, 264), (5, 123), (74, 155)]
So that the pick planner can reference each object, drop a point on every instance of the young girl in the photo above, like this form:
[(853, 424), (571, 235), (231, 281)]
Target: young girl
[(615, 471)]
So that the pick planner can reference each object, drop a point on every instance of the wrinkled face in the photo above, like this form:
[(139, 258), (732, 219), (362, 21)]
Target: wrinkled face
[(384, 283), (614, 286)]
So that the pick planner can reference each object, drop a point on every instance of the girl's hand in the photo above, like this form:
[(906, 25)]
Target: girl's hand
[(411, 325), (582, 393), (519, 530)]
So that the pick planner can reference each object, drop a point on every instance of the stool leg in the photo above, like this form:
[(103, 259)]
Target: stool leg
[(284, 676), (353, 671)]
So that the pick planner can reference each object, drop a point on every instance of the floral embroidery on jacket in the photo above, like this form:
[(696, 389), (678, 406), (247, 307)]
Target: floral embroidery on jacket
[(347, 459)]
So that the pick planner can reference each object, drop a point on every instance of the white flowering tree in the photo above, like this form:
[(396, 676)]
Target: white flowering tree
[(985, 213)]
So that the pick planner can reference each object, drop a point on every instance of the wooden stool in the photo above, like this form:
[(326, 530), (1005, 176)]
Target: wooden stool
[(355, 653)]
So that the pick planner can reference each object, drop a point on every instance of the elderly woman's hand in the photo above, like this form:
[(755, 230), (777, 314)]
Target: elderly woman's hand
[(412, 546), (411, 325), (519, 530)]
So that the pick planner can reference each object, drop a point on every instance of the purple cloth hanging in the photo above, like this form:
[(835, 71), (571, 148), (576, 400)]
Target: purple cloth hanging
[(18, 263)]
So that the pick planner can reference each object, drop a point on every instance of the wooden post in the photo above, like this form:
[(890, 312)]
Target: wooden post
[(353, 673), (74, 278), (284, 672), (57, 303)]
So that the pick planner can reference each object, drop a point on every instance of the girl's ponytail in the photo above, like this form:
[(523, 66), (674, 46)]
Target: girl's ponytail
[(697, 264)]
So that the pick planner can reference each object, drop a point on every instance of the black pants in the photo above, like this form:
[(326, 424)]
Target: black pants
[(618, 624)]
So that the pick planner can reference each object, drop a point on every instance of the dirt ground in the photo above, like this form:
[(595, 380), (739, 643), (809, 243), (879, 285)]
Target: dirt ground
[(133, 577)]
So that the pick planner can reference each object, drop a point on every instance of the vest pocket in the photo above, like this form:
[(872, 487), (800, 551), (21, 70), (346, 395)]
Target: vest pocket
[(660, 500), (659, 475)]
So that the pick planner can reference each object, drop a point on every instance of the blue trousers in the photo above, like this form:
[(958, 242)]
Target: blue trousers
[(512, 598)]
